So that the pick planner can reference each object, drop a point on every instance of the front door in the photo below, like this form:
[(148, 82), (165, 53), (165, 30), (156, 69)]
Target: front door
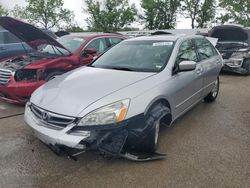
[(186, 85), (99, 45)]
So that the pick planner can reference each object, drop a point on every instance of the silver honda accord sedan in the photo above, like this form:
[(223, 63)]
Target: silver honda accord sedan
[(117, 103)]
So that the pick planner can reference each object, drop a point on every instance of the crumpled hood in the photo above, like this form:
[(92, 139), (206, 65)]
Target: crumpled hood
[(71, 93), (33, 36)]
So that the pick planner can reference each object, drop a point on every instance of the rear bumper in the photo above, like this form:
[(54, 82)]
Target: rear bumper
[(18, 92)]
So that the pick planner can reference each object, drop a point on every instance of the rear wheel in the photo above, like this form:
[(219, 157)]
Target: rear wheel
[(211, 97)]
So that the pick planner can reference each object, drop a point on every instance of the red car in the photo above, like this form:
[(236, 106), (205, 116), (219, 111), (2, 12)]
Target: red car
[(21, 75)]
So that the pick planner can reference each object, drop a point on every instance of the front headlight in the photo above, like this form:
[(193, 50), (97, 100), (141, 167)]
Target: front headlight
[(110, 114), (28, 104), (243, 50), (25, 74), (233, 62), (237, 62)]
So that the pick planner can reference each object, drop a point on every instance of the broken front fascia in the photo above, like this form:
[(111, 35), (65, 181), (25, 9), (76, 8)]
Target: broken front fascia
[(17, 82), (18, 92), (112, 139), (18, 68), (235, 62), (236, 59), (233, 59)]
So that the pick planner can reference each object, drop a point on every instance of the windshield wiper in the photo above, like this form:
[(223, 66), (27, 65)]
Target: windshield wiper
[(54, 47), (121, 68)]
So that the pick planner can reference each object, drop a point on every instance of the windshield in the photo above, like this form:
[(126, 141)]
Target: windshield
[(141, 56), (69, 42)]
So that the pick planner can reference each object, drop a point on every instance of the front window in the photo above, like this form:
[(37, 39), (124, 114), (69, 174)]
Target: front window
[(204, 49), (113, 40), (141, 56), (186, 52), (98, 44)]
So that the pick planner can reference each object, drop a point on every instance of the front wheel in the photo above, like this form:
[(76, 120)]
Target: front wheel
[(151, 142), (153, 120), (246, 66), (211, 97)]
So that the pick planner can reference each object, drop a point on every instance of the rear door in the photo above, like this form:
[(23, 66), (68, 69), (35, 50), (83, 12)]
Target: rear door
[(186, 85), (210, 63)]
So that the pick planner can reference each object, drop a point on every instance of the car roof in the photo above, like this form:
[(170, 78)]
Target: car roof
[(93, 35), (168, 37)]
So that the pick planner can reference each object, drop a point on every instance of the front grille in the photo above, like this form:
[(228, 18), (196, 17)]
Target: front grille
[(51, 120), (5, 76)]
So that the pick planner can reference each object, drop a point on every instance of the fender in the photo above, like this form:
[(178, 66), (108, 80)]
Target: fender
[(160, 98)]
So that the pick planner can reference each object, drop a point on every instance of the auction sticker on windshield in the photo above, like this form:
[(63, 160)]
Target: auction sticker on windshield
[(162, 43)]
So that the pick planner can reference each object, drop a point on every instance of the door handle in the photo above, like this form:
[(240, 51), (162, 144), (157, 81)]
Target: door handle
[(199, 71), (217, 61)]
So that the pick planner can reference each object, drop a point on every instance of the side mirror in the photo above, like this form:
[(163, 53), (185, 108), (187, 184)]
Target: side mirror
[(187, 66), (88, 51)]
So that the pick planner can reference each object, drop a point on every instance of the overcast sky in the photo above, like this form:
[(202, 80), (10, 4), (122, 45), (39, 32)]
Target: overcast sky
[(77, 7)]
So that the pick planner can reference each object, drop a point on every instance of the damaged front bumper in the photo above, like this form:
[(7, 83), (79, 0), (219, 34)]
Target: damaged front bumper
[(119, 140), (230, 66), (18, 92)]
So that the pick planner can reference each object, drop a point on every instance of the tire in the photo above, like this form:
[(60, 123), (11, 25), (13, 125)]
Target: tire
[(246, 66), (211, 97), (153, 117), (52, 75)]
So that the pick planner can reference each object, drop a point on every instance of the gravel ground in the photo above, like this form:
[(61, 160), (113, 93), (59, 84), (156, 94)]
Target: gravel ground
[(207, 147)]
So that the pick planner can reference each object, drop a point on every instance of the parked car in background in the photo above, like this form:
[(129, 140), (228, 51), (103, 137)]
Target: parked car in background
[(117, 103), (50, 33), (234, 46), (61, 33), (21, 75), (10, 45)]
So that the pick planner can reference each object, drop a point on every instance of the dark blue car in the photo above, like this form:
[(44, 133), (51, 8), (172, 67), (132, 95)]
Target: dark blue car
[(10, 45)]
